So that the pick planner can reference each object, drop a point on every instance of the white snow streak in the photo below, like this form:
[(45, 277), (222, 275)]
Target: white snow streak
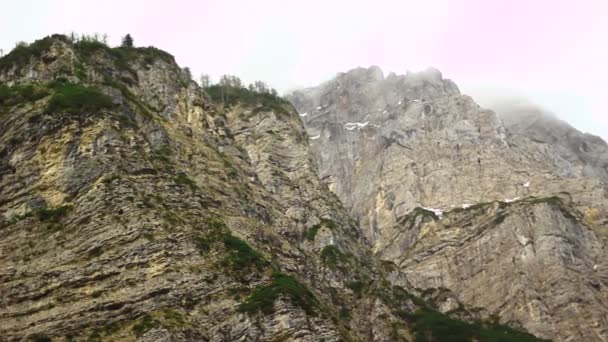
[(437, 212), (355, 125), (303, 114), (527, 184), (315, 137)]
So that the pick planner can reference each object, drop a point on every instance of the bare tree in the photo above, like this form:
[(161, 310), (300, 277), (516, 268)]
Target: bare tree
[(205, 81), (188, 73), (236, 82), (261, 87), (225, 81)]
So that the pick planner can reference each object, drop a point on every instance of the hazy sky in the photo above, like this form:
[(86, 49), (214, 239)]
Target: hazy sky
[(553, 52)]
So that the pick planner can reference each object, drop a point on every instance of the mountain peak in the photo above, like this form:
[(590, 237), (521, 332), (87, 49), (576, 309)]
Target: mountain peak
[(407, 154), (59, 56)]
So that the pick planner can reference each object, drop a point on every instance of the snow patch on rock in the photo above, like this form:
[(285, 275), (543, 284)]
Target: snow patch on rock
[(437, 212), (355, 125)]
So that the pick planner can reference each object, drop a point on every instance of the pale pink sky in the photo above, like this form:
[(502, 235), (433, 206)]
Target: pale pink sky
[(553, 52)]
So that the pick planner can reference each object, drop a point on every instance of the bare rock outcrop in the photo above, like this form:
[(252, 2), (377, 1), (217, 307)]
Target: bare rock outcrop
[(391, 146)]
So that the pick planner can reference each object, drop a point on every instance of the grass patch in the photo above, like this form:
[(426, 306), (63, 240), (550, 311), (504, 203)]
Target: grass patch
[(232, 96), (345, 314), (111, 328), (262, 298), (473, 207), (173, 319), (123, 55), (557, 202), (357, 287), (331, 224), (183, 179), (22, 93), (424, 213), (431, 325), (241, 255), (216, 229), (172, 218), (332, 257), (109, 179), (40, 338), (52, 215), (204, 243), (75, 98), (311, 233), (143, 325), (418, 211), (426, 324), (553, 200)]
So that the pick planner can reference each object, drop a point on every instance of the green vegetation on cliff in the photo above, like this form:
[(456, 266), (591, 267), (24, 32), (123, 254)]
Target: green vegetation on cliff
[(333, 257), (262, 298), (311, 233), (239, 255), (21, 93), (75, 98), (231, 96), (429, 325), (23, 52)]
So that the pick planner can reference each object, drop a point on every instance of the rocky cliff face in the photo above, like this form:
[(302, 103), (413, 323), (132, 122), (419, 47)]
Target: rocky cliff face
[(588, 154), (391, 146), (133, 206)]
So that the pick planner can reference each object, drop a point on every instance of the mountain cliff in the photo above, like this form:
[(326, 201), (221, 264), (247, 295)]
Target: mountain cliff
[(505, 212), (135, 205)]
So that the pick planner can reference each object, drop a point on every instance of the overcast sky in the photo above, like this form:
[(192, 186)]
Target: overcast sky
[(553, 52)]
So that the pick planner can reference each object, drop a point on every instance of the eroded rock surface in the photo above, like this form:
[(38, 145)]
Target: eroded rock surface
[(389, 146), (136, 206)]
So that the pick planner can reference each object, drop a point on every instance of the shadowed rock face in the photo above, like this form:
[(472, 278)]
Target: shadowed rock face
[(387, 146)]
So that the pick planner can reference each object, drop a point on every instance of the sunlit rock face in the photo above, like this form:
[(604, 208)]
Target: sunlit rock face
[(389, 145), (158, 214)]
